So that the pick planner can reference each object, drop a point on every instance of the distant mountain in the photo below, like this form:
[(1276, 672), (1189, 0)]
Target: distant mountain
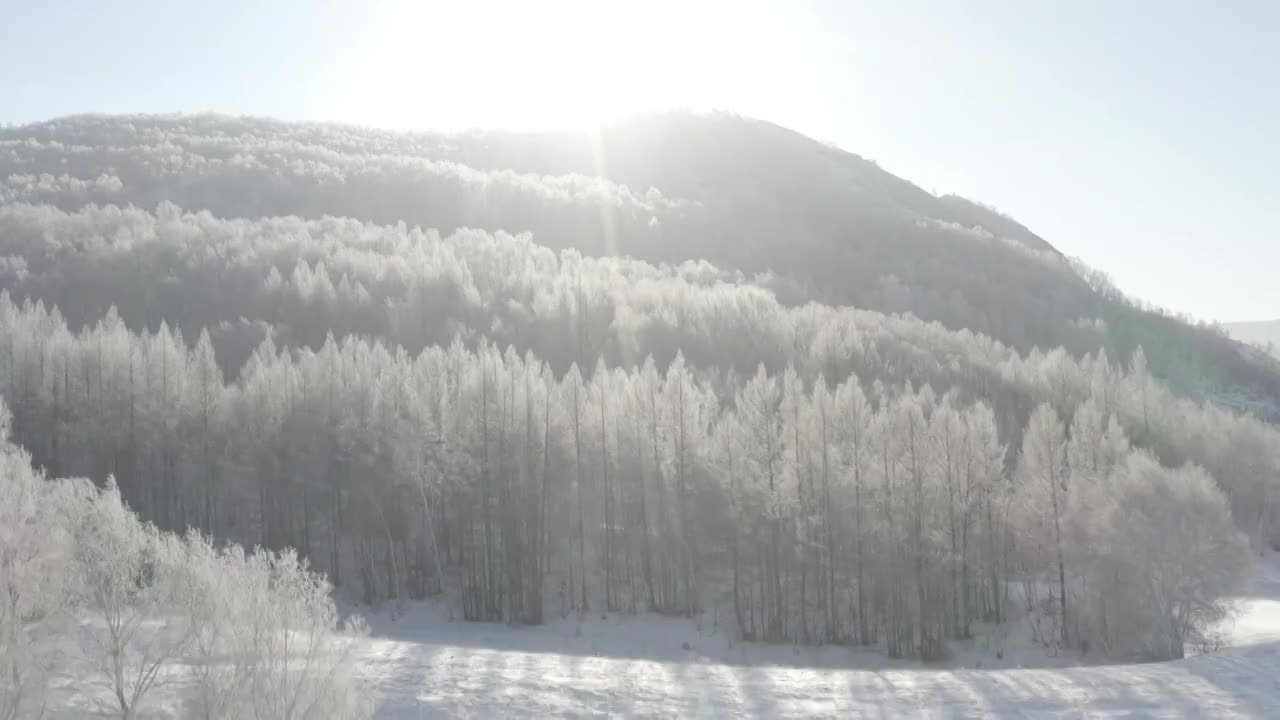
[(1262, 333), (807, 221)]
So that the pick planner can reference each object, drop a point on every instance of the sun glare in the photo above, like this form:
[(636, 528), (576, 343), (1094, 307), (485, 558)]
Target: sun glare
[(558, 64)]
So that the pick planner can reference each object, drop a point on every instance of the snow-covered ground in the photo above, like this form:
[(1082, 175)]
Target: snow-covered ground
[(423, 666), (419, 680), (1257, 623)]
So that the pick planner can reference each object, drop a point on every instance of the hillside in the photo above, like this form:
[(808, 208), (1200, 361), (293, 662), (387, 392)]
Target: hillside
[(806, 221), (696, 373)]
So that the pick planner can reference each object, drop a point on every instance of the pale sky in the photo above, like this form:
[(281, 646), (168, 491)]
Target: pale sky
[(1142, 136)]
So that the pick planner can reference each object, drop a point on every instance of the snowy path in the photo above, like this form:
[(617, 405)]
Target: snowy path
[(419, 680)]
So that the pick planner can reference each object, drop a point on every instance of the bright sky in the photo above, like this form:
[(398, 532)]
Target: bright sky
[(1140, 135)]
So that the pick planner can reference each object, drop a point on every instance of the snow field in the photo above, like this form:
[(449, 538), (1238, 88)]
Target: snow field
[(420, 665)]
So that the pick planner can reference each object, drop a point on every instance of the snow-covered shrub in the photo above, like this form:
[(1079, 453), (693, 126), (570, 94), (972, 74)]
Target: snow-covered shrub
[(268, 642), (219, 673), (302, 666), (36, 547), (130, 576), (88, 590), (1159, 556)]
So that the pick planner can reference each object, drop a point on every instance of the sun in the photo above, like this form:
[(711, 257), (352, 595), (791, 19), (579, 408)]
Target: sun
[(566, 63)]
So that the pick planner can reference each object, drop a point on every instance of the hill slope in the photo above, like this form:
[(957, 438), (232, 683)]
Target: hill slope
[(811, 222), (508, 410)]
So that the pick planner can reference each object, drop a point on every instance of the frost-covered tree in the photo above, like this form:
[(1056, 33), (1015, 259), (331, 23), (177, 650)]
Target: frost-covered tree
[(850, 507), (855, 417), (299, 666), (1040, 500), (989, 483), (129, 574), (91, 591), (1097, 444), (37, 591), (690, 412), (203, 408), (1159, 560), (771, 480)]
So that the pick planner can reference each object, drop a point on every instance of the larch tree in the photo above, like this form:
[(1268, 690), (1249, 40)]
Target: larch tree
[(1040, 501), (856, 417)]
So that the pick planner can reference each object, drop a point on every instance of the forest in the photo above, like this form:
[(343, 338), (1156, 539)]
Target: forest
[(524, 430), (811, 222)]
